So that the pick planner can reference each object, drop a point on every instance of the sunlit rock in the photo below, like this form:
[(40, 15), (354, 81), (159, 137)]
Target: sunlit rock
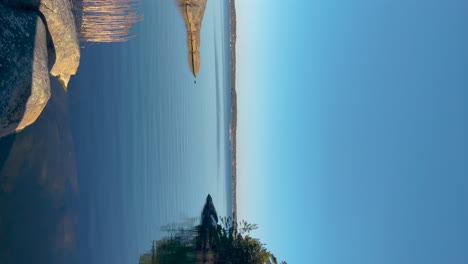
[(24, 77), (193, 11), (58, 15)]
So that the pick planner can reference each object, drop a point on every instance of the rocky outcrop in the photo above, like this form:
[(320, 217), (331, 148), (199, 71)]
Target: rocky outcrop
[(24, 78), (58, 15), (61, 25), (37, 37), (193, 11)]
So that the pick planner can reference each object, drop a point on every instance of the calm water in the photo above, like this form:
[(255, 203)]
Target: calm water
[(149, 143)]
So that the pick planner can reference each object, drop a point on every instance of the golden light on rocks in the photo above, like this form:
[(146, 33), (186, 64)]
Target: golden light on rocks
[(193, 11)]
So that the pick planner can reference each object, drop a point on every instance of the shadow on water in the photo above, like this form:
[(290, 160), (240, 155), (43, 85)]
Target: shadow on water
[(38, 175), (39, 190), (5, 147), (29, 193)]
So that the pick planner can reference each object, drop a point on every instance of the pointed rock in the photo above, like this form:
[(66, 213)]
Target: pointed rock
[(193, 11), (61, 25), (64, 53)]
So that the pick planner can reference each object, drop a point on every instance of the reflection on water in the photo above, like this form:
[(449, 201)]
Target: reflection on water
[(39, 190), (150, 144), (104, 20)]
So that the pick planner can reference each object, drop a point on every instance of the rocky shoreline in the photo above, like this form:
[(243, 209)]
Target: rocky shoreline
[(37, 38), (233, 124)]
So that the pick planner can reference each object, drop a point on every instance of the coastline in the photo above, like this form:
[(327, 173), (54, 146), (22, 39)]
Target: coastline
[(233, 123)]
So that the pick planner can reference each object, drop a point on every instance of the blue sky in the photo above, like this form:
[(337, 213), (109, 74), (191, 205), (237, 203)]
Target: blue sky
[(352, 134)]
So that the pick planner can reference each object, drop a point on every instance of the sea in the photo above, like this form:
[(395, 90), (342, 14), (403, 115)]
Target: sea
[(137, 143)]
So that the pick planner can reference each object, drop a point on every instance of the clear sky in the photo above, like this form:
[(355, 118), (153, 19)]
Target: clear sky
[(353, 129)]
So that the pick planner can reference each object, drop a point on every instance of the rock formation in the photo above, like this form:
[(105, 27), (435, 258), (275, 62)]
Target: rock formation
[(193, 11), (61, 25), (65, 53), (24, 78), (37, 37)]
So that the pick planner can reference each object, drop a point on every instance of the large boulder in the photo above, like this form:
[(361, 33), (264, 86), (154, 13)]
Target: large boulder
[(60, 23), (24, 77)]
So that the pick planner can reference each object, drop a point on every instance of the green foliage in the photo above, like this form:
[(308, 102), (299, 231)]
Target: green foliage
[(229, 242), (233, 244), (174, 251)]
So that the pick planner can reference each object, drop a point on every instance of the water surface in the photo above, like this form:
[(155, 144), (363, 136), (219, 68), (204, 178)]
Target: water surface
[(145, 145)]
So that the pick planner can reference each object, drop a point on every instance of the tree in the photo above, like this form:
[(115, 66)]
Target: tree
[(233, 244)]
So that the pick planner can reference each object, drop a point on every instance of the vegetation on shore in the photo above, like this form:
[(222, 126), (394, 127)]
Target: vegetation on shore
[(229, 242)]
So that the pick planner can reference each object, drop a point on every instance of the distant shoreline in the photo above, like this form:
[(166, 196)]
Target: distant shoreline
[(233, 124)]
